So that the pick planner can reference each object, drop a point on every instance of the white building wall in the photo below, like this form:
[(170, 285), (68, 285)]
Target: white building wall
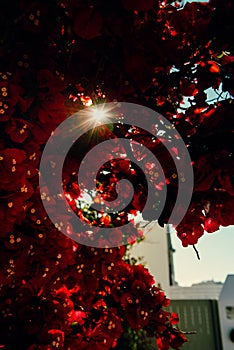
[(204, 291), (155, 253), (226, 312)]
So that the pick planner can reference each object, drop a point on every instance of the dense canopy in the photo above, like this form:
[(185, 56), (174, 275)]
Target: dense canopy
[(59, 57)]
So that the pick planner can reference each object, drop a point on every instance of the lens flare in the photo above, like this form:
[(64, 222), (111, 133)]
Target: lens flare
[(99, 114)]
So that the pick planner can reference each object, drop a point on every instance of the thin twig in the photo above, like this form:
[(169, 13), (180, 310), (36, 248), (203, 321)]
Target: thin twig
[(196, 251), (189, 332)]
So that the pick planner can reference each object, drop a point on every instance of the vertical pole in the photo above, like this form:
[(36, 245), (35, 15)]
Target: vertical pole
[(170, 251)]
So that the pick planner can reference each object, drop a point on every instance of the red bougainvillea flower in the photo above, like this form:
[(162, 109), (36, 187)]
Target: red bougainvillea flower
[(191, 227), (51, 108), (54, 292), (138, 317), (211, 225), (188, 88), (189, 236), (142, 274), (172, 340), (9, 97), (12, 207), (114, 269), (107, 331), (174, 318), (18, 130), (78, 317), (88, 23), (12, 170), (47, 81)]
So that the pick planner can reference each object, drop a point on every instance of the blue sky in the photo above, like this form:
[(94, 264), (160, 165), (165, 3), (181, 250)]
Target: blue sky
[(217, 258)]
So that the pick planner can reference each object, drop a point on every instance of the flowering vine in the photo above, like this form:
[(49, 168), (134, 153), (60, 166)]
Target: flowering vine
[(58, 57)]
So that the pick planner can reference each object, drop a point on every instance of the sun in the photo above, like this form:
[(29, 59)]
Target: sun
[(99, 114)]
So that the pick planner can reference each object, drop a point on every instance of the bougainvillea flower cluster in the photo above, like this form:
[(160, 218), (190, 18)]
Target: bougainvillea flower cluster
[(56, 58)]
